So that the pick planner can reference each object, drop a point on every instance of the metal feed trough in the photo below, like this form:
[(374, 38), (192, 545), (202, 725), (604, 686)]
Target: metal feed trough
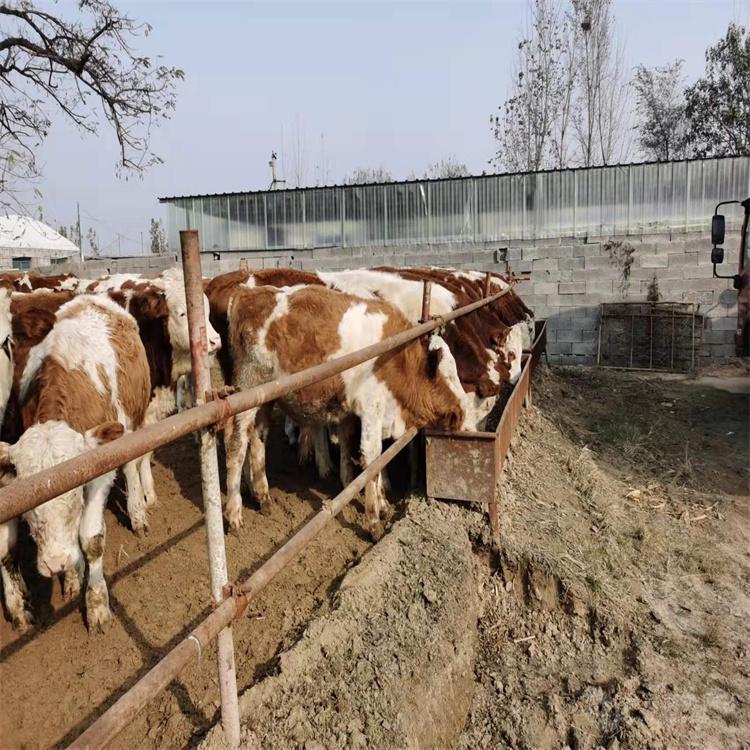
[(467, 465)]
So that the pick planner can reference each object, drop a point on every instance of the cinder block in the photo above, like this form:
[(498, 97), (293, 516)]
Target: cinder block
[(575, 287), (542, 287), (572, 335), (570, 263), (683, 260), (584, 348), (533, 252), (544, 264), (599, 285), (596, 262), (721, 324), (654, 261)]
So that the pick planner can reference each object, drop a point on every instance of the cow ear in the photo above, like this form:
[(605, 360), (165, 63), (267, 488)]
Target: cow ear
[(104, 433), (433, 361), (7, 467), (486, 388), (149, 303)]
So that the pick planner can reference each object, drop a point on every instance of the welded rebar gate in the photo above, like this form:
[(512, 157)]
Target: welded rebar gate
[(662, 336)]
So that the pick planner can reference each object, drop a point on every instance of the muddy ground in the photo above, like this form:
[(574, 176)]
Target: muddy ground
[(614, 612)]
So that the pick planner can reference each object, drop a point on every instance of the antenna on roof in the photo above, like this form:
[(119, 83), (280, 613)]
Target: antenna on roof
[(274, 181)]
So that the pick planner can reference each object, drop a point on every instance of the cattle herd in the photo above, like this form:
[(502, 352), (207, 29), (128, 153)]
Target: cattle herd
[(82, 361)]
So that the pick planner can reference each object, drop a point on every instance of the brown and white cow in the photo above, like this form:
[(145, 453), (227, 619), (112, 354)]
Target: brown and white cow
[(85, 383), (24, 281), (278, 331)]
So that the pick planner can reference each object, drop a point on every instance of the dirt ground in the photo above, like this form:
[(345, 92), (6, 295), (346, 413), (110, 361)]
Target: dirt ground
[(158, 589), (614, 611)]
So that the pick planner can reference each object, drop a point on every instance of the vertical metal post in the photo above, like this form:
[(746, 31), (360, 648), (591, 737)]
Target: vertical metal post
[(599, 337), (632, 338), (426, 296), (217, 561), (487, 280), (671, 358)]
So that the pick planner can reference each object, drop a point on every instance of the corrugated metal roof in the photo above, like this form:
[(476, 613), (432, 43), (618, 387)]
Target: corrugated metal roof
[(166, 199)]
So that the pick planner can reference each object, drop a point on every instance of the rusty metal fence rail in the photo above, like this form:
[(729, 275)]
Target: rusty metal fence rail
[(30, 492)]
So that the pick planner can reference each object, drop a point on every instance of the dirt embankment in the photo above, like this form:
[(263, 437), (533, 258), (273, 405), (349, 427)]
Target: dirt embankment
[(616, 610), (391, 665)]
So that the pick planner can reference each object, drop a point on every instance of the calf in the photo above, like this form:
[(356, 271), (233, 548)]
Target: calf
[(274, 332), (85, 383)]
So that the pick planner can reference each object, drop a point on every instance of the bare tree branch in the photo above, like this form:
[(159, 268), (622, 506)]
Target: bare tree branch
[(50, 64)]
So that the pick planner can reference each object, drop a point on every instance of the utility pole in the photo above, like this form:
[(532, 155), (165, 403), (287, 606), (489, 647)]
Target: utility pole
[(141, 242), (80, 240)]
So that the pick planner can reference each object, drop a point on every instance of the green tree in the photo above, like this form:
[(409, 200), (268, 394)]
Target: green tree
[(660, 108), (718, 105), (158, 237)]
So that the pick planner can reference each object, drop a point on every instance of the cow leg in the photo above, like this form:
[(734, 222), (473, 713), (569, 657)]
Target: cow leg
[(136, 502), (235, 447), (147, 479), (290, 430), (257, 435), (92, 536), (322, 452), (14, 587), (163, 404), (346, 436), (371, 444)]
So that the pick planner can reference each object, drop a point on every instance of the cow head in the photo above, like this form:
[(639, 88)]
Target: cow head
[(174, 289), (512, 349), (54, 524), (6, 351)]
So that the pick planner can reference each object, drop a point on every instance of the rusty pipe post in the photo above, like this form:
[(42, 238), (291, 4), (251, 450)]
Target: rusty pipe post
[(124, 710), (29, 492), (217, 557), (487, 280), (426, 297)]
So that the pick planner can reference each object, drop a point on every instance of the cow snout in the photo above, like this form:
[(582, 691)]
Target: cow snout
[(52, 565), (214, 343)]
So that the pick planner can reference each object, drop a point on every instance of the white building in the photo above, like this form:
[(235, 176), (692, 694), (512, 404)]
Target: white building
[(28, 243)]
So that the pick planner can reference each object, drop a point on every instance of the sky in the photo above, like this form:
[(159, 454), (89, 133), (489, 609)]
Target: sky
[(331, 86)]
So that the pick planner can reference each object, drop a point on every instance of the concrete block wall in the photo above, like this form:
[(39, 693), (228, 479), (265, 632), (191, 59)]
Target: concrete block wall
[(569, 277)]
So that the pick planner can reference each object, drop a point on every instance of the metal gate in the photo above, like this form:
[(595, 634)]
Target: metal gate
[(649, 335)]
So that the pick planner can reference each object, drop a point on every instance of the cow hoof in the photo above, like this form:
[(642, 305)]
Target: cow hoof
[(71, 585), (98, 612), (235, 523), (23, 621), (376, 531), (140, 529)]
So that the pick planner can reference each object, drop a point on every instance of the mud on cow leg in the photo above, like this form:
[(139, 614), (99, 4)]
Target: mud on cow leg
[(371, 445), (257, 435), (346, 430), (92, 537), (235, 447), (136, 500), (323, 461), (14, 587)]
